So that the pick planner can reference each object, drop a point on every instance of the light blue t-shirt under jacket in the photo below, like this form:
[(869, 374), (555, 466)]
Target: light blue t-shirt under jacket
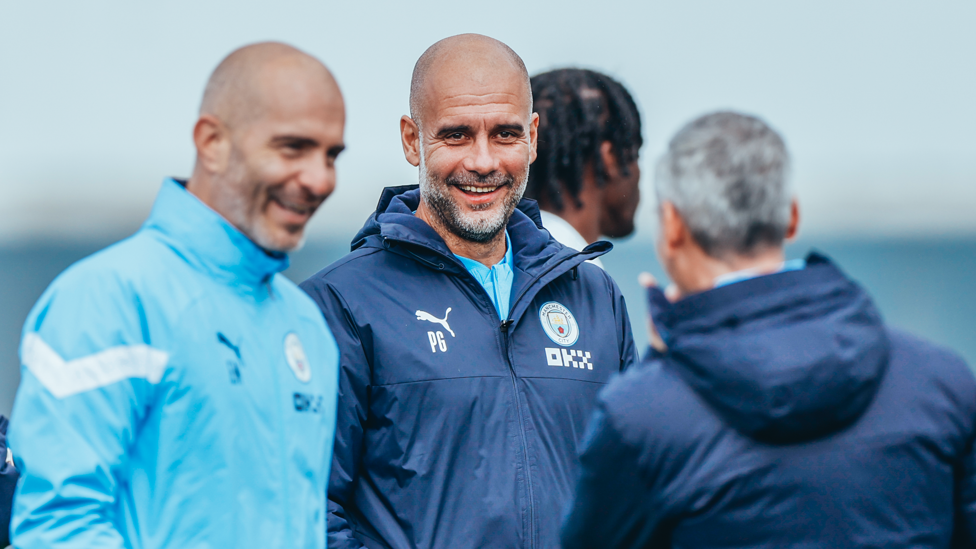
[(497, 280)]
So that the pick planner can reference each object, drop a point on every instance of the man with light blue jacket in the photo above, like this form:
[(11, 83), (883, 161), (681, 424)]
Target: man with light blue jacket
[(176, 391)]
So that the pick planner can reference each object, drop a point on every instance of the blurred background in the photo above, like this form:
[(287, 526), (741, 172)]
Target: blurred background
[(876, 100)]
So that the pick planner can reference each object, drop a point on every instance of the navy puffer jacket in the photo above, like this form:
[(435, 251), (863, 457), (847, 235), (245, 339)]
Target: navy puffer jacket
[(784, 415)]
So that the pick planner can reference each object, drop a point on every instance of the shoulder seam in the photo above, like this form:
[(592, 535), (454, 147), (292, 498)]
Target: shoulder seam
[(344, 260)]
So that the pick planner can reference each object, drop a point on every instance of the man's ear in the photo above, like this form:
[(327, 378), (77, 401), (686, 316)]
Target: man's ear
[(609, 159), (794, 227), (674, 232), (212, 141), (533, 137), (410, 139)]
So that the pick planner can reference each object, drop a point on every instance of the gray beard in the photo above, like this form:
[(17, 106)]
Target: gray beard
[(467, 225), (240, 197)]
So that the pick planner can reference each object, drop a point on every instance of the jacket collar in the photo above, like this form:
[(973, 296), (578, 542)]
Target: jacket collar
[(539, 259), (208, 242), (532, 245)]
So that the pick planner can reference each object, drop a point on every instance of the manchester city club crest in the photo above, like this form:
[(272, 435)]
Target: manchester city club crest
[(558, 323), (297, 361)]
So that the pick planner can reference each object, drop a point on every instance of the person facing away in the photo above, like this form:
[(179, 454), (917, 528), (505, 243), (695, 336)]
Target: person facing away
[(176, 392), (586, 178), (472, 345), (783, 412)]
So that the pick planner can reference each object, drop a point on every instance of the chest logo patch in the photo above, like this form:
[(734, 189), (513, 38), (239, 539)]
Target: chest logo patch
[(297, 361), (558, 323), (436, 338), (423, 315)]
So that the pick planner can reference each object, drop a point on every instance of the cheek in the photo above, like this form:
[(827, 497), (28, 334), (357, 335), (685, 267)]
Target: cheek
[(515, 160), (634, 197), (271, 169), (442, 161)]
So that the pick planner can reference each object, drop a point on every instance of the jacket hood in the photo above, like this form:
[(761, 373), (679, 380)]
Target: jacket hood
[(783, 358)]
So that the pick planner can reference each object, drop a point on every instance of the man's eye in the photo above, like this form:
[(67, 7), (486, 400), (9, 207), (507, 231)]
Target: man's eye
[(457, 136), (295, 147)]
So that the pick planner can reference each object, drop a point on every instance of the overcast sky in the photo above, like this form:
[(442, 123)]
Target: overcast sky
[(877, 100)]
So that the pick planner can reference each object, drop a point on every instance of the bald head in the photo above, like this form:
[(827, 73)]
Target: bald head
[(252, 79), (471, 56), (270, 128)]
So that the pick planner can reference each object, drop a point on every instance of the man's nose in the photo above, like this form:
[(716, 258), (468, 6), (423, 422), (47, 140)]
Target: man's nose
[(481, 159), (319, 177)]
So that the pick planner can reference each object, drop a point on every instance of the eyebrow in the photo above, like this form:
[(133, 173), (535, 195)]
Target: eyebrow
[(294, 140), (453, 129), (306, 143), (518, 128)]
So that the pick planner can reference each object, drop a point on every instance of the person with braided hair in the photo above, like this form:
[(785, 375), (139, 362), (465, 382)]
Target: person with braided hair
[(586, 175)]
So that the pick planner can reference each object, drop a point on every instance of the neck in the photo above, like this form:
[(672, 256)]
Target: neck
[(205, 186), (697, 271), (487, 253), (585, 218), (199, 186)]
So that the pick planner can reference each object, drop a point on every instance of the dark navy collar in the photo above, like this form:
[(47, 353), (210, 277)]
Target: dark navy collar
[(538, 258), (394, 220)]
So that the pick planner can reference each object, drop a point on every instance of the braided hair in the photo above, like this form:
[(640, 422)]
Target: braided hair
[(578, 110)]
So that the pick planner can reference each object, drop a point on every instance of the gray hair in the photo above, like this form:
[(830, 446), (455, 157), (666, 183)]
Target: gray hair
[(727, 175)]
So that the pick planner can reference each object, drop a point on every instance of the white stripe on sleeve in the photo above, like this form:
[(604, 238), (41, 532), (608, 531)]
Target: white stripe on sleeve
[(65, 378)]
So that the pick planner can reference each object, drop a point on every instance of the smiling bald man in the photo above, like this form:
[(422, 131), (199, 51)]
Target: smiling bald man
[(472, 344), (176, 391)]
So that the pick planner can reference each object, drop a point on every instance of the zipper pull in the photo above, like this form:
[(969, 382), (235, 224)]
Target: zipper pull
[(504, 325)]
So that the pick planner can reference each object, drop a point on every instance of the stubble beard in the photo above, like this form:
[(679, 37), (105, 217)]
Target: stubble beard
[(470, 226), (242, 200)]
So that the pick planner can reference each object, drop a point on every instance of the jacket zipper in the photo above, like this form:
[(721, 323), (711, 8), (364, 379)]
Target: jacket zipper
[(506, 352), (504, 326), (276, 380)]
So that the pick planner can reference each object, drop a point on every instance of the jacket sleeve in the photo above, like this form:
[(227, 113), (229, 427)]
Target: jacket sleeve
[(8, 481), (625, 333), (353, 406), (611, 508), (87, 376)]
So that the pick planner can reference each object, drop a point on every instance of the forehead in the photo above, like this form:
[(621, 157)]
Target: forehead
[(460, 94), (307, 104)]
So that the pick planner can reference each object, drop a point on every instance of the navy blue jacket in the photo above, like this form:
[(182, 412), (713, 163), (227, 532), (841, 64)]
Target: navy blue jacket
[(785, 414), (8, 481), (464, 432)]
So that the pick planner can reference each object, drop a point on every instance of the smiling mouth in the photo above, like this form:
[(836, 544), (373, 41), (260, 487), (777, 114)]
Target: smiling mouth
[(478, 190), (296, 208)]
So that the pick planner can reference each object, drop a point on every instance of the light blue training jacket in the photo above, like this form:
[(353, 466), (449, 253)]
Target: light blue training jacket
[(176, 392)]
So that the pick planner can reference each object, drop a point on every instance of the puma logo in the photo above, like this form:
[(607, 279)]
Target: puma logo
[(421, 315), (221, 338)]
